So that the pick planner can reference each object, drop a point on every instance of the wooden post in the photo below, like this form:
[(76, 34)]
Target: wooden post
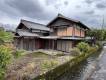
[(48, 44), (53, 44)]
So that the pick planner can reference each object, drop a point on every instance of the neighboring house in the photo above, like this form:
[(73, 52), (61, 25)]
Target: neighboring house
[(62, 33)]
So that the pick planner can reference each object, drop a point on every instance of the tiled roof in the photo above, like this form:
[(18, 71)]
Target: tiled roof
[(33, 25), (61, 16), (76, 38), (69, 19), (26, 33), (72, 38), (49, 37)]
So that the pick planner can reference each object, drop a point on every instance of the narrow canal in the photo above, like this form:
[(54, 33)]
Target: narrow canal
[(83, 69)]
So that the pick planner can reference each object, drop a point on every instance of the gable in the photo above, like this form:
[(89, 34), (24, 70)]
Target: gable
[(21, 26), (60, 22)]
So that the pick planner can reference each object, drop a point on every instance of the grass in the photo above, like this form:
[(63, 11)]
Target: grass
[(34, 64), (60, 54), (49, 64), (40, 54), (19, 53)]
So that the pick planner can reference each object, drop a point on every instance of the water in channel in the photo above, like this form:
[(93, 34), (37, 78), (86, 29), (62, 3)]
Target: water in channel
[(80, 71)]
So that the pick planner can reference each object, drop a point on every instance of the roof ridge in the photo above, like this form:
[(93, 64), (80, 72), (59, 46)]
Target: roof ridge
[(62, 16), (67, 18)]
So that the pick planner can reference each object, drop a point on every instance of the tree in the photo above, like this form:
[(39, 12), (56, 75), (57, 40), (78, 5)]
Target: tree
[(97, 34)]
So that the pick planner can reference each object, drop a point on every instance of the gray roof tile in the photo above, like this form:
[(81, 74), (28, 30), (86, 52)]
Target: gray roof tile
[(26, 33), (33, 25)]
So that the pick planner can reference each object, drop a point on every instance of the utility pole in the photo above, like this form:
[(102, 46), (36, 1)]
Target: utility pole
[(103, 22)]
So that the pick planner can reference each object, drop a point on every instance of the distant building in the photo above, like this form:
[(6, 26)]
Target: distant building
[(61, 33)]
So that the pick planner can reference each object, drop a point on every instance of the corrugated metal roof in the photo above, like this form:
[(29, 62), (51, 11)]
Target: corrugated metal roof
[(33, 25), (26, 33)]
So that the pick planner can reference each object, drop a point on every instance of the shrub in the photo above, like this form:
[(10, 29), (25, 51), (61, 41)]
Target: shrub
[(83, 47), (46, 65), (92, 50), (19, 53), (60, 54), (5, 58), (75, 52), (6, 36), (99, 44)]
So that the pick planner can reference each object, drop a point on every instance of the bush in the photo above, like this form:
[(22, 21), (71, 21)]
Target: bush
[(19, 53), (83, 47), (99, 44), (75, 52), (46, 65), (5, 58), (92, 50), (60, 54)]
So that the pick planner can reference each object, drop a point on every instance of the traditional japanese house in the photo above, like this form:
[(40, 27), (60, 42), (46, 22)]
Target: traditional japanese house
[(61, 33)]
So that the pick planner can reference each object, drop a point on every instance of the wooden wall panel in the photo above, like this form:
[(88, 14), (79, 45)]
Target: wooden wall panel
[(64, 45), (59, 45), (77, 32), (69, 31), (82, 33), (67, 47)]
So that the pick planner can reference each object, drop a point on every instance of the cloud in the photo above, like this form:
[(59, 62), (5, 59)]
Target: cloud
[(88, 1), (91, 1), (101, 5), (36, 10), (28, 8), (66, 3), (90, 12), (49, 2), (43, 11)]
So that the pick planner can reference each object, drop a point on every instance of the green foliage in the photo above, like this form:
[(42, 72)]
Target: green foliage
[(60, 54), (92, 50), (5, 58), (5, 51), (46, 65), (75, 52), (5, 36), (83, 47), (40, 54), (19, 53), (99, 44), (2, 73), (97, 34)]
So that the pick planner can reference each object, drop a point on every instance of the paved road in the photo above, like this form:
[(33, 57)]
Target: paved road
[(100, 73)]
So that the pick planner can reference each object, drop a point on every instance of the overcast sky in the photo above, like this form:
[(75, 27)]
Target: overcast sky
[(90, 12)]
